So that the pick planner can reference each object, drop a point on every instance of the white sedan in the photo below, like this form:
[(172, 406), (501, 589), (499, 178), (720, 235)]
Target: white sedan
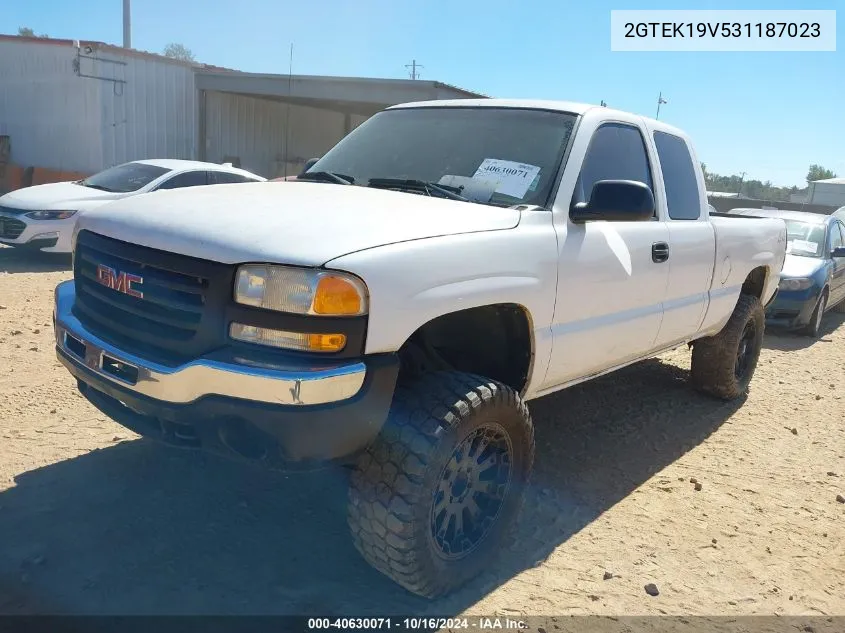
[(43, 217)]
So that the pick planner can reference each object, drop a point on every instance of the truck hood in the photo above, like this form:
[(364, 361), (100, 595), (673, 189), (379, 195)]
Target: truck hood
[(798, 266), (58, 195), (300, 223)]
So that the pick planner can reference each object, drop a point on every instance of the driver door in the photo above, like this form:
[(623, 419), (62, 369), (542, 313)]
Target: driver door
[(837, 276), (612, 276)]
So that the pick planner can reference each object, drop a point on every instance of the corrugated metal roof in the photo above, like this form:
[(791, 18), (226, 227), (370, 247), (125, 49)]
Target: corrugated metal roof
[(209, 74), (831, 181), (102, 46), (473, 93), (110, 48)]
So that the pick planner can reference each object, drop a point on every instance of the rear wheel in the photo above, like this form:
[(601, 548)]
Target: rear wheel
[(813, 328), (723, 365), (433, 500)]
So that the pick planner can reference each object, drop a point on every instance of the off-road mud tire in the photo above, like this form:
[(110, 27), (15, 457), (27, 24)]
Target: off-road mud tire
[(393, 486), (714, 359)]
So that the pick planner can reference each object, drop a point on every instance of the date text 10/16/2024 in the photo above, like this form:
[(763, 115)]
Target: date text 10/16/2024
[(417, 624)]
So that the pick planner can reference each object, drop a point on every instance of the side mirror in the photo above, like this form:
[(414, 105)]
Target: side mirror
[(838, 252), (308, 165), (615, 201)]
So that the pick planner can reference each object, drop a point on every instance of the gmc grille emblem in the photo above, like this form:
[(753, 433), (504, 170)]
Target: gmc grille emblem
[(120, 281)]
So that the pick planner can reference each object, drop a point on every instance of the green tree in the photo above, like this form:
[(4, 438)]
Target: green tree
[(754, 189), (178, 51), (25, 31), (817, 172)]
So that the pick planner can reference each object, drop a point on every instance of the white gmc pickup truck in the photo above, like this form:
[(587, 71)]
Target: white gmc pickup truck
[(395, 308)]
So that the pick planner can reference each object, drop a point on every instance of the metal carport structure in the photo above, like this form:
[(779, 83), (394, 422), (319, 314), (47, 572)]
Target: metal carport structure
[(272, 124)]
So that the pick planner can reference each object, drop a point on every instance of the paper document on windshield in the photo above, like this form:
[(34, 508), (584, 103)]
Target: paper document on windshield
[(511, 178), (803, 246)]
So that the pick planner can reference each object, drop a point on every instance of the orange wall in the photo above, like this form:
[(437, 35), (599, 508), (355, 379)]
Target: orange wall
[(14, 177)]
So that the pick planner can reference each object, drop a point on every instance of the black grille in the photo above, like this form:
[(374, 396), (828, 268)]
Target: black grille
[(11, 228), (181, 312)]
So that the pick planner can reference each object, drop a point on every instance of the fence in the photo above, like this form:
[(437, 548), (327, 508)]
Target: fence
[(723, 205)]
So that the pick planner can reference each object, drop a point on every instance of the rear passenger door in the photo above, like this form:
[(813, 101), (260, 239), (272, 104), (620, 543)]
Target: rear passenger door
[(692, 240)]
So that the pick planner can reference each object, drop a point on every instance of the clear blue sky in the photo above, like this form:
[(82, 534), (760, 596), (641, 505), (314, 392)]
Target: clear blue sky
[(768, 114)]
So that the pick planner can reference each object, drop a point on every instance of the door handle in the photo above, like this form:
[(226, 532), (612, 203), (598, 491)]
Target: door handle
[(659, 252)]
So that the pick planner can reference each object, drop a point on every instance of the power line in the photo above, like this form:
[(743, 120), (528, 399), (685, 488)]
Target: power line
[(413, 66)]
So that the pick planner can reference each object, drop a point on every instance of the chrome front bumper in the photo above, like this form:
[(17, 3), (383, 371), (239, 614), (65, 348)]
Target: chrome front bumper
[(277, 384)]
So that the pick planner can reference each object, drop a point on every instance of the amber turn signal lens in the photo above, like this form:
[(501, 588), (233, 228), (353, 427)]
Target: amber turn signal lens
[(326, 342), (337, 296), (288, 340)]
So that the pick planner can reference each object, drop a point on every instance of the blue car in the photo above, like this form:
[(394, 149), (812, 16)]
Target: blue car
[(813, 276)]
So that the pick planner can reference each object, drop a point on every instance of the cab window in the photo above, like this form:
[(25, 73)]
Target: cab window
[(683, 197), (616, 152)]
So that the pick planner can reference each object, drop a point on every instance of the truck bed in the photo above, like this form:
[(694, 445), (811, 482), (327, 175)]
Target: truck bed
[(743, 236)]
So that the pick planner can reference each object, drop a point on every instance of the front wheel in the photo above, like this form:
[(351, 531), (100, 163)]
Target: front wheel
[(433, 499), (723, 365), (813, 328)]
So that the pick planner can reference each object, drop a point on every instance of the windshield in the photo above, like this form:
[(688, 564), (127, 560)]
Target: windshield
[(124, 178), (500, 156), (804, 238)]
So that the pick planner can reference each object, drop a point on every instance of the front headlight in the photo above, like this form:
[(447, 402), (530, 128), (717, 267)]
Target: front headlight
[(50, 215), (300, 290), (796, 283)]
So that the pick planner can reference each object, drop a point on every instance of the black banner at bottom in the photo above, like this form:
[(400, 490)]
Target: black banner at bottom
[(409, 624)]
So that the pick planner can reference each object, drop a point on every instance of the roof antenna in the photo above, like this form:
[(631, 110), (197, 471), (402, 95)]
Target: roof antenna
[(287, 113)]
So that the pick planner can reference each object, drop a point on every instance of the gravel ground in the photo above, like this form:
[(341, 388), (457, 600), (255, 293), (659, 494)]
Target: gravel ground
[(95, 520)]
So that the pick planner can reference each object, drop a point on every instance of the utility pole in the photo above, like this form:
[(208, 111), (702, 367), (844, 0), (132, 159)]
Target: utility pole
[(127, 25), (287, 108), (660, 100), (413, 66), (741, 178)]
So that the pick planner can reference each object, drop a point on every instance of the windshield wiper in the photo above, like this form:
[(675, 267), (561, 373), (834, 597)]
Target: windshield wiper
[(417, 185), (327, 176), (100, 187)]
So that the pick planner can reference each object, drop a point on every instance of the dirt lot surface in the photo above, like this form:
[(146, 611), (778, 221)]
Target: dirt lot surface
[(95, 520)]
